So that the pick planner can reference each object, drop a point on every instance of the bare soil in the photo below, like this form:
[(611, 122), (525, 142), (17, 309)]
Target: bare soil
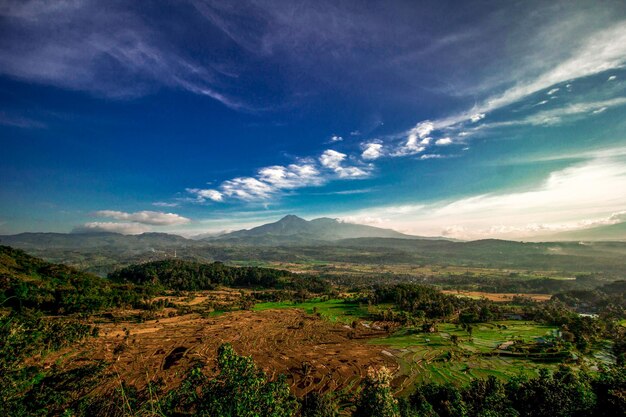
[(314, 354), (499, 296)]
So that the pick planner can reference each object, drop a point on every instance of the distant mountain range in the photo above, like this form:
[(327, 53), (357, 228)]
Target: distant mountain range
[(295, 230), (612, 232), (293, 239)]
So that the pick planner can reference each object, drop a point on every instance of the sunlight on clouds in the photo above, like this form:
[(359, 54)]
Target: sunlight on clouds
[(333, 160), (373, 150), (154, 218), (582, 195), (272, 180), (111, 227)]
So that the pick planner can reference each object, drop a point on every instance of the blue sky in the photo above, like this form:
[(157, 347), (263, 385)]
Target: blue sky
[(463, 119)]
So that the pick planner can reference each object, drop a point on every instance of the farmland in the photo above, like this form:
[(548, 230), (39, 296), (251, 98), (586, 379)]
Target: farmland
[(144, 329)]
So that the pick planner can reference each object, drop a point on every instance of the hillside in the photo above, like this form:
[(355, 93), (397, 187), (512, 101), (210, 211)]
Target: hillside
[(177, 274), (29, 282), (611, 232)]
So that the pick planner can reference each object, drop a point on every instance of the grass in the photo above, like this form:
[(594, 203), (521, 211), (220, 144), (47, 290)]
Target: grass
[(336, 310), (423, 356)]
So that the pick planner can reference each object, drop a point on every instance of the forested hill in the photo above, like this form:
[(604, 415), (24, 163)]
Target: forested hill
[(191, 276), (29, 282)]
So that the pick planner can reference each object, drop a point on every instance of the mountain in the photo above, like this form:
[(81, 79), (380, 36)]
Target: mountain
[(612, 232), (93, 240), (295, 230)]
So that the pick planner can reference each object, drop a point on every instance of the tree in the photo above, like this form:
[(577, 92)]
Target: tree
[(318, 405), (376, 398), (240, 390)]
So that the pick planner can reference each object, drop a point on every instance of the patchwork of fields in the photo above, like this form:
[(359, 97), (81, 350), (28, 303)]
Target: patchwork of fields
[(449, 354)]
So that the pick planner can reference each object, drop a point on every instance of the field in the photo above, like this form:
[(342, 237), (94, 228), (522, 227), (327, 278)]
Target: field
[(320, 344), (433, 357), (334, 310), (498, 296), (314, 353), (375, 270)]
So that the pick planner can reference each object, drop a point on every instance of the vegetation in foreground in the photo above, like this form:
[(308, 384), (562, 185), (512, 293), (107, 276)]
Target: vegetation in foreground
[(45, 308)]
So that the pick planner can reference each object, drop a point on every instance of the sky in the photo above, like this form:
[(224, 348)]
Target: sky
[(482, 119)]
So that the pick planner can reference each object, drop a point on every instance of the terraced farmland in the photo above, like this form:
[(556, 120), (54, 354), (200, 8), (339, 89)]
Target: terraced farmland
[(316, 355), (433, 357)]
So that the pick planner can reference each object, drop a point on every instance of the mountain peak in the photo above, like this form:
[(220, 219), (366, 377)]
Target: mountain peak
[(294, 229), (291, 218)]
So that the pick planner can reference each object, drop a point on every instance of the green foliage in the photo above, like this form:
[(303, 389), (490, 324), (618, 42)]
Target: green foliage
[(564, 393), (427, 301), (191, 276), (27, 390), (376, 398), (318, 405), (28, 282), (240, 390)]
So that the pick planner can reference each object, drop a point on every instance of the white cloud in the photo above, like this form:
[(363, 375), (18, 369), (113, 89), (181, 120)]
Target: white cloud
[(272, 180), (431, 156), (552, 91), (602, 51), (292, 176), (443, 142), (477, 117), (111, 227), (560, 114), (582, 195), (336, 138), (416, 140), (206, 194), (112, 52), (164, 204), (355, 133), (247, 188), (612, 78), (373, 150), (155, 218), (333, 160)]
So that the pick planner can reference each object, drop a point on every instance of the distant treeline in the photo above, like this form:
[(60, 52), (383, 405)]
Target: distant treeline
[(192, 276), (607, 299)]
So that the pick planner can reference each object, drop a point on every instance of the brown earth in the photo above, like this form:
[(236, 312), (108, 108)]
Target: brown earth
[(313, 353), (499, 296)]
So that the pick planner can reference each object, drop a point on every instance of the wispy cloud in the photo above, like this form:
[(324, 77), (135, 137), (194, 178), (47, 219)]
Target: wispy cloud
[(19, 121), (111, 227), (602, 51), (272, 180), (335, 161), (165, 204), (154, 218), (110, 51), (587, 193)]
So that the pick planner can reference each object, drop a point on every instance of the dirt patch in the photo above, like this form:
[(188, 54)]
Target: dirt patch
[(313, 353), (498, 296)]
